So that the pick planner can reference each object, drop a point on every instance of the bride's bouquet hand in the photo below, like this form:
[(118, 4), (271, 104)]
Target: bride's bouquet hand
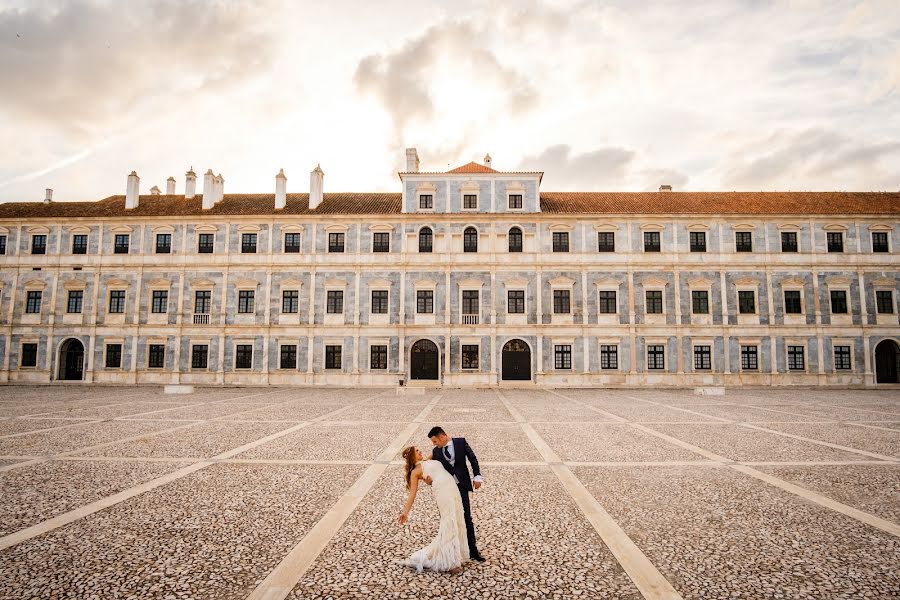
[(403, 518), (427, 479)]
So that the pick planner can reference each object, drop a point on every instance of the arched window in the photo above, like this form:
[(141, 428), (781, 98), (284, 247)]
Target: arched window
[(515, 240), (470, 240), (426, 240)]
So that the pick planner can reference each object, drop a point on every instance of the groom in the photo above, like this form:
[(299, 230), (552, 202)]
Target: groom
[(452, 453)]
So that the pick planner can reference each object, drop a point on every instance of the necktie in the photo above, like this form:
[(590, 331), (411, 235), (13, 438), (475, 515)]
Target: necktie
[(447, 452)]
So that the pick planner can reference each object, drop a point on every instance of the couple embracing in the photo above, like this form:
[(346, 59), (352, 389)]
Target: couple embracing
[(446, 472)]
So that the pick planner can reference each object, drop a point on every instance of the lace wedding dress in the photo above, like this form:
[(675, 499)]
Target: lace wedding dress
[(450, 548)]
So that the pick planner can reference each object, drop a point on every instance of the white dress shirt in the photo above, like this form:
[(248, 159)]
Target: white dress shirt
[(452, 451)]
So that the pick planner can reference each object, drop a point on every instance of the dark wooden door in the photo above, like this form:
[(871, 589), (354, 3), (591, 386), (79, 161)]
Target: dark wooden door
[(73, 368), (516, 361), (424, 362), (886, 358)]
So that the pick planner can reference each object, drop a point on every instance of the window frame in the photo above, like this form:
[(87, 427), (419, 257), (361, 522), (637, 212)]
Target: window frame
[(515, 201), (426, 234), (468, 297), (747, 356), (790, 242), (700, 301), (606, 248), (204, 296), (842, 293), (291, 247), (515, 306), (337, 242), (879, 248), (426, 201), (879, 304), (560, 241), (562, 299), (122, 243), (843, 358), (562, 357), (834, 241), (39, 248), (196, 354), (249, 242), (116, 301), (246, 302), (799, 299), (383, 302), (287, 356), (649, 245), (80, 248), (27, 353), (515, 240), (424, 300), (75, 302), (702, 357), (290, 302), (793, 351), (163, 243), (381, 242), (333, 356), (647, 302), (466, 204), (466, 354), (740, 299), (34, 300), (743, 241), (697, 241), (609, 357), (202, 246), (658, 354), (378, 357), (156, 356), (470, 239), (243, 357), (334, 302), (159, 299), (112, 350)]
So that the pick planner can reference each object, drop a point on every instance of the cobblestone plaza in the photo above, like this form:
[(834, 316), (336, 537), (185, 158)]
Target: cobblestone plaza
[(273, 493)]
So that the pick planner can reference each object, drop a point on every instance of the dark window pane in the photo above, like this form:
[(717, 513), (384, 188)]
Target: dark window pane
[(515, 200), (656, 356), (749, 358), (426, 240), (379, 302), (292, 243), (879, 241), (470, 240), (746, 302), (702, 358), (2, 244), (76, 299), (560, 241), (515, 240), (288, 357), (79, 244), (243, 356), (609, 356), (515, 302), (788, 241), (163, 243), (743, 241), (562, 303), (835, 241), (335, 302), (470, 305), (651, 241), (607, 305), (332, 357), (562, 356), (117, 301), (33, 305), (792, 304), (884, 302), (469, 356), (470, 201), (425, 302), (606, 241), (39, 244), (795, 358), (121, 243), (378, 357), (205, 243), (156, 356), (246, 301), (29, 355), (335, 242), (202, 299), (426, 201), (842, 358), (114, 356), (200, 356), (654, 301), (160, 302), (248, 243), (698, 241), (381, 242), (838, 301), (290, 301), (700, 302)]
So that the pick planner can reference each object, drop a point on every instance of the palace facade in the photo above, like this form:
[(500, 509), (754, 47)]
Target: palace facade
[(470, 277)]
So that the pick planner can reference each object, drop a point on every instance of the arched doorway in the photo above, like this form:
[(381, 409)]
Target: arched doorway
[(71, 360), (887, 362), (516, 361), (424, 360)]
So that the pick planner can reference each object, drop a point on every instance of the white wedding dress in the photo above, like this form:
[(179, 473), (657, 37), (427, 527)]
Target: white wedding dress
[(450, 548)]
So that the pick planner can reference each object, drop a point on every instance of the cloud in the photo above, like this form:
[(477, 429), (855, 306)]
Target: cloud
[(589, 171)]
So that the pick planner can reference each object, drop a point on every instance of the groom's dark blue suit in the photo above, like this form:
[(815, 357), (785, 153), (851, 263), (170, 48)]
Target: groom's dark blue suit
[(462, 452)]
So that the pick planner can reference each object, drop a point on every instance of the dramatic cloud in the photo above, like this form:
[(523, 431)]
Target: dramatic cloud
[(587, 172)]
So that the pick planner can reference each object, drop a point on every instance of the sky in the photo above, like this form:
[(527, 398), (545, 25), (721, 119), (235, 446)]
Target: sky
[(600, 95)]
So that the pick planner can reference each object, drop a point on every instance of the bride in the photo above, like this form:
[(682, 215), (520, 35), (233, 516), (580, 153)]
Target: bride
[(449, 549)]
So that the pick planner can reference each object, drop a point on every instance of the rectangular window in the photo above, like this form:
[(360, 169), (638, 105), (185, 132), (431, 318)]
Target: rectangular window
[(842, 358), (470, 356), (656, 356), (163, 243), (160, 302), (117, 301), (114, 356), (335, 302), (743, 241), (470, 305), (243, 356), (245, 301), (202, 299), (788, 241), (749, 357), (884, 302), (792, 304), (795, 358), (79, 244), (248, 243), (609, 356), (515, 302), (562, 356), (562, 302), (651, 241), (560, 241), (76, 300), (335, 242), (702, 358), (2, 244), (838, 302), (378, 358), (746, 302), (290, 301), (200, 356), (205, 243), (33, 304), (700, 302), (607, 305), (121, 244), (379, 302), (835, 241), (29, 355), (515, 201), (879, 241), (698, 241), (654, 302), (288, 357), (39, 244), (425, 302), (426, 240), (381, 242), (292, 243), (606, 241), (470, 201), (332, 357), (156, 356), (426, 201)]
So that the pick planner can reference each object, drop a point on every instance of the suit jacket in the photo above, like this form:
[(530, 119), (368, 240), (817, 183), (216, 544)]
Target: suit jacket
[(461, 452)]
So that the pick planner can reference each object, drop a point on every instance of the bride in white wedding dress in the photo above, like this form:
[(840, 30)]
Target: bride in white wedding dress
[(449, 549)]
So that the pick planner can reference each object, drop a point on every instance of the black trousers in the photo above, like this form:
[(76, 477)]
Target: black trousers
[(470, 527)]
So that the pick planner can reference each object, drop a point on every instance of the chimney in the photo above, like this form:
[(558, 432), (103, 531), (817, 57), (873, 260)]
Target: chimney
[(155, 191), (316, 185), (48, 195), (209, 193), (280, 190), (132, 191), (487, 160), (220, 188), (412, 160), (665, 188), (190, 184), (170, 186)]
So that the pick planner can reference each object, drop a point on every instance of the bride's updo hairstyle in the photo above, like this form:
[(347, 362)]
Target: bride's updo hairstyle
[(409, 455)]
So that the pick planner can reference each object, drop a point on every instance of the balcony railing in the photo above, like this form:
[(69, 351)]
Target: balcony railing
[(470, 319), (201, 319)]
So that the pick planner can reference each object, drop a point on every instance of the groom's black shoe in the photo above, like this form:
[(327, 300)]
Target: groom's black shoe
[(478, 558)]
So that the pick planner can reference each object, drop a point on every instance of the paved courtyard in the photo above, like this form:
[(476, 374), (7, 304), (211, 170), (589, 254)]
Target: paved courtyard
[(269, 493)]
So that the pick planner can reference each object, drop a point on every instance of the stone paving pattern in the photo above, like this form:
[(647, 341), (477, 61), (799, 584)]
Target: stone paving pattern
[(217, 532)]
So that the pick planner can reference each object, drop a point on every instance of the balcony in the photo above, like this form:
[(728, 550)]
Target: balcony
[(201, 319), (470, 319)]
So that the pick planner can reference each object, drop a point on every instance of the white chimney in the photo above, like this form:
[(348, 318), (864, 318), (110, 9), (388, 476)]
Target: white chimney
[(316, 186), (209, 191), (48, 195), (190, 184), (132, 191), (280, 190), (412, 160), (220, 188), (665, 188), (155, 191), (487, 160), (170, 186)]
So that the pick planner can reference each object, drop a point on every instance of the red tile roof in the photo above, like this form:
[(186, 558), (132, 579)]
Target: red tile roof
[(472, 167)]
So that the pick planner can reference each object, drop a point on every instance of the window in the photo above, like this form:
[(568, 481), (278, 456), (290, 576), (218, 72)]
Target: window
[(749, 360), (381, 242), (2, 244), (199, 356), (470, 356), (560, 241), (470, 302), (378, 357), (79, 243), (470, 202), (332, 357), (248, 243), (156, 356), (29, 355), (160, 301), (746, 302), (245, 301), (290, 301), (288, 357), (425, 302), (795, 358), (117, 302), (698, 241), (879, 241), (515, 201), (292, 243), (654, 302), (651, 241), (243, 356), (841, 358), (788, 241), (515, 302), (379, 302), (700, 302), (743, 241), (792, 303), (335, 302), (607, 305), (426, 201), (114, 356), (515, 239), (470, 240), (838, 302), (656, 356), (163, 243), (884, 302), (562, 356), (702, 358), (426, 240), (120, 245), (835, 241), (76, 300), (609, 356), (562, 302), (606, 241), (33, 304), (205, 243), (335, 242), (39, 244), (202, 300)]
